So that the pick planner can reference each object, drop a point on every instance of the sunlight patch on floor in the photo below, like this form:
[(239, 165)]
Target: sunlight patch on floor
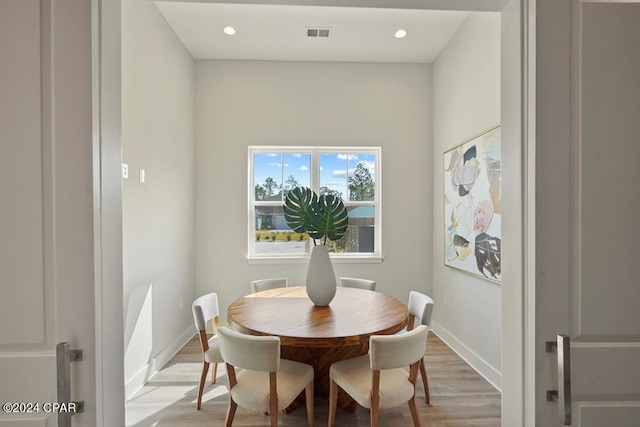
[(211, 394), (174, 386)]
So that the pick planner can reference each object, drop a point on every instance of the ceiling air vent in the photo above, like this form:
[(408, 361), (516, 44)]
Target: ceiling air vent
[(318, 32)]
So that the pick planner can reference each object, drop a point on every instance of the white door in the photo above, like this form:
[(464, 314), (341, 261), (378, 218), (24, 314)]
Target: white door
[(46, 209), (588, 208)]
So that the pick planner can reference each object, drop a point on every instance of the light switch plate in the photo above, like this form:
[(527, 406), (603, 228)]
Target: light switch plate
[(125, 171), (141, 175)]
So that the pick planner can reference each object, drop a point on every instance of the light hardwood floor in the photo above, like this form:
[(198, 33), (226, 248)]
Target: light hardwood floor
[(459, 397)]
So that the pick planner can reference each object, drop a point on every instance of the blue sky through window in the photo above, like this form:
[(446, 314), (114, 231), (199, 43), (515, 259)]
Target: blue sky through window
[(280, 166), (334, 168)]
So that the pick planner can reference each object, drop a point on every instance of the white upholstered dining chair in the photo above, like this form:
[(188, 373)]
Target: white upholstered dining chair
[(351, 282), (265, 284), (205, 308), (379, 380), (420, 308), (265, 383)]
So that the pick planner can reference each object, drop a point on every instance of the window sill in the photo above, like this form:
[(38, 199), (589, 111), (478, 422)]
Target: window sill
[(360, 259)]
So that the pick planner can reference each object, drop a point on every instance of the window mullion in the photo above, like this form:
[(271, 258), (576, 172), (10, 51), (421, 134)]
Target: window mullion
[(315, 171), (282, 177)]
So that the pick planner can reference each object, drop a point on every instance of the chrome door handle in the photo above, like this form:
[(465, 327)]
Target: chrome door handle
[(562, 346), (64, 357)]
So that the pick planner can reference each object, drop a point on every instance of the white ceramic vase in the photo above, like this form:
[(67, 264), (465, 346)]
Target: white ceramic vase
[(321, 280)]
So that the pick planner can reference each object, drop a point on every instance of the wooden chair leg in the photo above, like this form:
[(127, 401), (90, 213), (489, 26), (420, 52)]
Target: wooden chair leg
[(375, 398), (425, 381), (414, 411), (214, 373), (231, 412), (273, 399), (333, 402), (308, 395), (374, 417), (274, 414), (203, 377)]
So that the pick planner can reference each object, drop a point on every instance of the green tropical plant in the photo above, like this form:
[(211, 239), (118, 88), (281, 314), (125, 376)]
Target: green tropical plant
[(322, 217)]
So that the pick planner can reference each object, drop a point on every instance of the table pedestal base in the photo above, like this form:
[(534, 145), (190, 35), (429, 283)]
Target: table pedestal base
[(321, 359)]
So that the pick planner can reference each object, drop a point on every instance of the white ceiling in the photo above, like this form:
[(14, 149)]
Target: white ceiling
[(277, 32)]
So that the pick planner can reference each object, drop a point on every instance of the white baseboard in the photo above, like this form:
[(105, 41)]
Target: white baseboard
[(138, 381), (481, 366)]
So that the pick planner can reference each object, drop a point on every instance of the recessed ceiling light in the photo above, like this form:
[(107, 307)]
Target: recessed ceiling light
[(401, 33), (230, 31)]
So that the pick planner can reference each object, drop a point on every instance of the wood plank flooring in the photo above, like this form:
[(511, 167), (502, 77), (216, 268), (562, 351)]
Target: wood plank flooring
[(459, 397)]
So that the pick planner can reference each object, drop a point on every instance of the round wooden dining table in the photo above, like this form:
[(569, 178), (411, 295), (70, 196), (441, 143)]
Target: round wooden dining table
[(319, 336)]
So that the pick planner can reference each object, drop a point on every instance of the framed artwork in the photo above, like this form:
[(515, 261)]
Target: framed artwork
[(472, 206)]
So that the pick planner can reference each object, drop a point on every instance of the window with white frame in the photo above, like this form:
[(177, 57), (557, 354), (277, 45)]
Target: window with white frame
[(351, 173)]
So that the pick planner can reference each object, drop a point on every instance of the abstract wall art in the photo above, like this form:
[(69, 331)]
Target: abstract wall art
[(472, 208)]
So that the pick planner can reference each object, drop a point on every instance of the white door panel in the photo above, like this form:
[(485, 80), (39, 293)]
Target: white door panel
[(605, 323), (46, 216), (21, 123), (601, 106), (604, 369), (27, 323), (607, 173), (612, 414)]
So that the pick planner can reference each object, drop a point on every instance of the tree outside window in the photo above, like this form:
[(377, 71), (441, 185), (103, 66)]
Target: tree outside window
[(361, 186)]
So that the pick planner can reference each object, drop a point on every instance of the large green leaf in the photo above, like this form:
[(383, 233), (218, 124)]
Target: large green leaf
[(323, 217), (297, 208), (329, 218)]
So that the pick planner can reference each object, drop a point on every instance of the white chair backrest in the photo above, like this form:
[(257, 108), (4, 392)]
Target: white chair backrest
[(256, 353), (426, 319), (204, 309), (399, 350), (420, 306), (350, 282), (266, 284)]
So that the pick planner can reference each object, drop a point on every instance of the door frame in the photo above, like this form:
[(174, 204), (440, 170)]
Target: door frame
[(529, 212), (107, 191), (518, 402)]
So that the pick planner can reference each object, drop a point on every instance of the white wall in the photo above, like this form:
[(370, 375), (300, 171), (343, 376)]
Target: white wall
[(241, 103), (466, 102), (158, 77)]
